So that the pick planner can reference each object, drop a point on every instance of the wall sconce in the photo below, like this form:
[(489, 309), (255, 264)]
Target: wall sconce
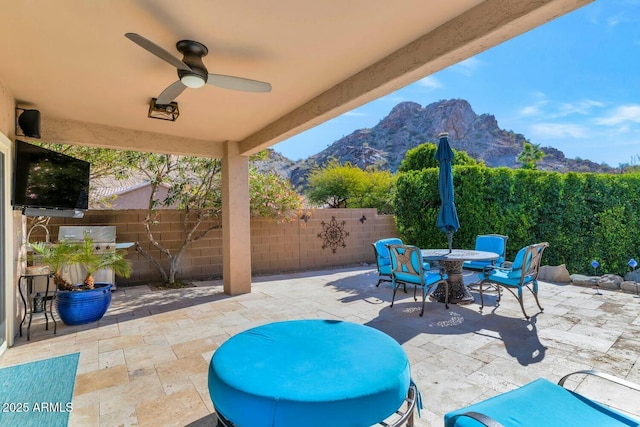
[(363, 219), (168, 112), (305, 217), (27, 123)]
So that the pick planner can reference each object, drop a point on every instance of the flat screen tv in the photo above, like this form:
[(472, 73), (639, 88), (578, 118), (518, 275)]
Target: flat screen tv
[(47, 179)]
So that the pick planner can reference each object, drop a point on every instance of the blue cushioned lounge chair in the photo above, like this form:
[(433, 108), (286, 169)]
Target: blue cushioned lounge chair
[(496, 243), (407, 268), (522, 274), (542, 403)]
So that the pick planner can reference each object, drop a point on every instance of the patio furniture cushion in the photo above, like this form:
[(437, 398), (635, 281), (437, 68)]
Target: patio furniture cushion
[(308, 372), (495, 243), (382, 252), (383, 258), (541, 403), (505, 277), (407, 267), (522, 274), (428, 278)]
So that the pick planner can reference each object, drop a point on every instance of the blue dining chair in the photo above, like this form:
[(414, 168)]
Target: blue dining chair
[(407, 268), (523, 273), (543, 403), (496, 243), (383, 259)]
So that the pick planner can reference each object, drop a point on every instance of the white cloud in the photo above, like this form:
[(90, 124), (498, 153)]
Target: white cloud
[(354, 114), (467, 67), (430, 82), (614, 20), (542, 107), (559, 130), (531, 110), (580, 107), (625, 113)]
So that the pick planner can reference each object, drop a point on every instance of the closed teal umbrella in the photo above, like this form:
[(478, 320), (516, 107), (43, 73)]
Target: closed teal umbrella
[(447, 216)]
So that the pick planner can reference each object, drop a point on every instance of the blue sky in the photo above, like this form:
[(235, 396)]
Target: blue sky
[(572, 84)]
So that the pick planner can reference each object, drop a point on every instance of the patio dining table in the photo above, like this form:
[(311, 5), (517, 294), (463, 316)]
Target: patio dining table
[(452, 262), (309, 373)]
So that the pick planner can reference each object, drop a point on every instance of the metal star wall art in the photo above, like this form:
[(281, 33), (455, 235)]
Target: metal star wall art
[(333, 234)]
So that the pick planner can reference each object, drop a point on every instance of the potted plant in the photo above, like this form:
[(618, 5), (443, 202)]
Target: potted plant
[(56, 256), (88, 301)]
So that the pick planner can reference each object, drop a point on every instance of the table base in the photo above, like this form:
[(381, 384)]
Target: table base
[(458, 292)]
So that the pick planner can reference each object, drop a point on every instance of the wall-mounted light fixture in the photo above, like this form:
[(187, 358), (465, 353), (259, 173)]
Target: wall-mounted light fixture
[(168, 112), (28, 123), (305, 217)]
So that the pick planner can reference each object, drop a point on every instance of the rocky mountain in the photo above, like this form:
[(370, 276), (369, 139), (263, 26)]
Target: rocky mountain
[(409, 125)]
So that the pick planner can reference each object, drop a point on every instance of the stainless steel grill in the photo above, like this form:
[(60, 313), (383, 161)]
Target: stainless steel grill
[(104, 240)]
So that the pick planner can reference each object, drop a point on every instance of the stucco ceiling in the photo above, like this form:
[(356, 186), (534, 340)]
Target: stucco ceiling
[(70, 60)]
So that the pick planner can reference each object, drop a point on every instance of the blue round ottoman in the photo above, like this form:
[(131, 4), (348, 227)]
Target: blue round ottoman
[(308, 373)]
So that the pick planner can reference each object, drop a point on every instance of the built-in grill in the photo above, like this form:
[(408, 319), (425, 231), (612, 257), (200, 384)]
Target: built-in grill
[(104, 240)]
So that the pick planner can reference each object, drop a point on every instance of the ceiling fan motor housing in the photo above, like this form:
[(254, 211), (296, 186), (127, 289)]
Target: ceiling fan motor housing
[(193, 53)]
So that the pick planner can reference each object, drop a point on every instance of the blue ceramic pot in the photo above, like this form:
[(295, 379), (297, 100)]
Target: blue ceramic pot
[(80, 307)]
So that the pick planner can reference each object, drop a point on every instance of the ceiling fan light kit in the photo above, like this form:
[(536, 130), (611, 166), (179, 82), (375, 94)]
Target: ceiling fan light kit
[(192, 73), (168, 112), (192, 81)]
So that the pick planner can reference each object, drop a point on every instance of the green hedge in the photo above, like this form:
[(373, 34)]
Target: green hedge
[(582, 216)]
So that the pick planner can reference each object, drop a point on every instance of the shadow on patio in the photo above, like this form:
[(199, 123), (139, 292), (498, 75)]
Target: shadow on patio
[(519, 337), (147, 363)]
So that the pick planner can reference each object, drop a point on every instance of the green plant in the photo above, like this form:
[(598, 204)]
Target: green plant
[(530, 155), (583, 216), (56, 256), (94, 261)]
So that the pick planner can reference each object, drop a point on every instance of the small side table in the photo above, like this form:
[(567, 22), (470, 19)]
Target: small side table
[(28, 279)]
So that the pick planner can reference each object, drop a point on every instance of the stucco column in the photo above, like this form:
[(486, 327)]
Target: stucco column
[(236, 236)]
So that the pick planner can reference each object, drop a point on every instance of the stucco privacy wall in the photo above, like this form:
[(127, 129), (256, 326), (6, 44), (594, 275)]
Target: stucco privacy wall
[(275, 247)]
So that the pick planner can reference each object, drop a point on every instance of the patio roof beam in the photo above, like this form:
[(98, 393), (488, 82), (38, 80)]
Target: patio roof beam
[(97, 135), (482, 27)]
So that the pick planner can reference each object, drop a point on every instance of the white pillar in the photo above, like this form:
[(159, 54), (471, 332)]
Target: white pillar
[(236, 236)]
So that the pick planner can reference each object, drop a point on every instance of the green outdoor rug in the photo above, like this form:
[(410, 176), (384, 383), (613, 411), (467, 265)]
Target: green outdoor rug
[(38, 393)]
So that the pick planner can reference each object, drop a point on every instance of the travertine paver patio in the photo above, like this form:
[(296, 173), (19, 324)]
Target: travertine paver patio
[(146, 362)]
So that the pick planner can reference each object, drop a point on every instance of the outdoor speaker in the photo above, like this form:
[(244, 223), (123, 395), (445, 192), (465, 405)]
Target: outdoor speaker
[(29, 123)]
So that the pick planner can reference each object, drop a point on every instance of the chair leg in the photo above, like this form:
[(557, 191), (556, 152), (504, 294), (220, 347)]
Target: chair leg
[(424, 298), (415, 293), (534, 291), (379, 281), (446, 294), (395, 289), (522, 306), (481, 295)]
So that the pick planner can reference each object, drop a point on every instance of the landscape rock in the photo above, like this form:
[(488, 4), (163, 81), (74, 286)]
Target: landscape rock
[(554, 274), (610, 281), (633, 276), (630, 286), (581, 279)]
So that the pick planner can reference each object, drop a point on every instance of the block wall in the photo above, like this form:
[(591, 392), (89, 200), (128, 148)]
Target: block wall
[(328, 238)]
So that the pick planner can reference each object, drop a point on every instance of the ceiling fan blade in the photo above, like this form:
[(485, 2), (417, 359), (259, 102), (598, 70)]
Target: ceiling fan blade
[(171, 93), (157, 51), (238, 83)]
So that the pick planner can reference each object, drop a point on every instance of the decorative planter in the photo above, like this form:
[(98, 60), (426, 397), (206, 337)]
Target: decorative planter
[(80, 307)]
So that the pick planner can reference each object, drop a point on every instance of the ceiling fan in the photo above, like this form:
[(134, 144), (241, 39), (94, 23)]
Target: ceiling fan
[(192, 71)]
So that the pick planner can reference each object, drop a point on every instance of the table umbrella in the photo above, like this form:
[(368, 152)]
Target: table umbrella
[(447, 216)]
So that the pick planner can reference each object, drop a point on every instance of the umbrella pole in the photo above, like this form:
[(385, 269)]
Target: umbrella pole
[(450, 240)]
